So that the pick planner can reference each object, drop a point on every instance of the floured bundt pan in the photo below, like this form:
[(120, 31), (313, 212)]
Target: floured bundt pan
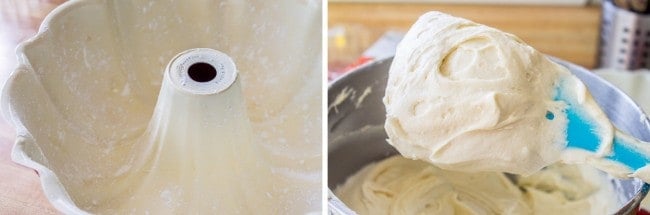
[(167, 106)]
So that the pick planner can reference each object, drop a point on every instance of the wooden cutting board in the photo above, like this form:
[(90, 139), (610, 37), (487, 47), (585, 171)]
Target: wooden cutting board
[(20, 187)]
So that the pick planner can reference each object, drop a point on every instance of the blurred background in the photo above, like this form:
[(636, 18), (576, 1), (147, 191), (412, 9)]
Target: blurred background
[(568, 29)]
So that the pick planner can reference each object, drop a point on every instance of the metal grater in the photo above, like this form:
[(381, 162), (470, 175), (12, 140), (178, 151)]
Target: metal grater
[(624, 35)]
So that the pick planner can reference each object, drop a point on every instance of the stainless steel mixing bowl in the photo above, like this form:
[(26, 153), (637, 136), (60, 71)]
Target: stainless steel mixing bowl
[(356, 117)]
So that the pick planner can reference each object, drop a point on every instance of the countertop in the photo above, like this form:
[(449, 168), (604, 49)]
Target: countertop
[(20, 187), (567, 32)]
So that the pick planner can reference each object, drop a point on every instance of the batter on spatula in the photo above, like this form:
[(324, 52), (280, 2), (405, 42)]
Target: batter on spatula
[(471, 98)]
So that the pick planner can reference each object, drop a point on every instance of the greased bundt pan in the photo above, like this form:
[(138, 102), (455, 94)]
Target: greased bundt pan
[(164, 106)]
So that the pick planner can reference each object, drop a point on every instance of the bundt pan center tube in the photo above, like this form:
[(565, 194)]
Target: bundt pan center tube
[(172, 107), (198, 145)]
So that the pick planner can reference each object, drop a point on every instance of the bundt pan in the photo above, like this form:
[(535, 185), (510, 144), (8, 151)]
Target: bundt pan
[(172, 107)]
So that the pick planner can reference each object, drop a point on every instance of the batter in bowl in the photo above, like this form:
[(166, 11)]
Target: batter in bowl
[(458, 93), (398, 185)]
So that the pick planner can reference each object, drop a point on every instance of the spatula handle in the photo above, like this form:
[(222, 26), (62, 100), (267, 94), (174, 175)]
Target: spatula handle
[(629, 151)]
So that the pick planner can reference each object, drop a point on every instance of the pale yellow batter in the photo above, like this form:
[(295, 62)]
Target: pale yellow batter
[(467, 97), (398, 185), (476, 102)]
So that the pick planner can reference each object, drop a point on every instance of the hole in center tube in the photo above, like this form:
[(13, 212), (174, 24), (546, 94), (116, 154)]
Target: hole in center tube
[(202, 72)]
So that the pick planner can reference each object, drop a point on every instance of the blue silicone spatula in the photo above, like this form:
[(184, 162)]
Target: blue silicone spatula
[(583, 132)]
